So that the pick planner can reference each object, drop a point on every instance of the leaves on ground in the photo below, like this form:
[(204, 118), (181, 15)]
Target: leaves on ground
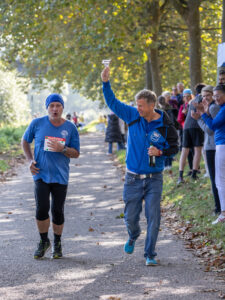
[(198, 242), (121, 216)]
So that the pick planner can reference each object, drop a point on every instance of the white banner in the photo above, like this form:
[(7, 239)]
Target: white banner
[(221, 55)]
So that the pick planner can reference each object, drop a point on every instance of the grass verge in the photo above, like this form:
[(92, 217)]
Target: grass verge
[(10, 138), (90, 127)]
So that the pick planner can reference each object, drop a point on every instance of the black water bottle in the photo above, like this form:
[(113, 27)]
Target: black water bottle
[(151, 159)]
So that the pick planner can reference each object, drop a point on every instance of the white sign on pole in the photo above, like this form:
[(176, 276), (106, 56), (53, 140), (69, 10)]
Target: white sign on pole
[(221, 55)]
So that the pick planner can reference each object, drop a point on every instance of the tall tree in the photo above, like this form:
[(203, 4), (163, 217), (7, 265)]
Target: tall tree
[(65, 41), (189, 10), (13, 101)]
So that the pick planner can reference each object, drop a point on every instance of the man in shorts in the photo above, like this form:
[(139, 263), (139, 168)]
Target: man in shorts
[(56, 141), (193, 136)]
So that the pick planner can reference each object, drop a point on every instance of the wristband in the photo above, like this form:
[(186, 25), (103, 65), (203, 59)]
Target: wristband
[(160, 153)]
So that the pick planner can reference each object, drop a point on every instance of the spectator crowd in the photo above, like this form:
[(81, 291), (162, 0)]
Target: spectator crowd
[(199, 119)]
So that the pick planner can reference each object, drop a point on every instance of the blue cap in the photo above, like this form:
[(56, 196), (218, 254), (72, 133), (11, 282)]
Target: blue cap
[(187, 91), (54, 98)]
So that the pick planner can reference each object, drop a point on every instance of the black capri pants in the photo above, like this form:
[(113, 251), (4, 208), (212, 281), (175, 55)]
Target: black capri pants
[(42, 193)]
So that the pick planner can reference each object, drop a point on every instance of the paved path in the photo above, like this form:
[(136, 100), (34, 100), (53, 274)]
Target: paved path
[(94, 264)]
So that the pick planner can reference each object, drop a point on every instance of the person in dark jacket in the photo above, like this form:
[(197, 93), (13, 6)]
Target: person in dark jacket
[(171, 112), (151, 138), (113, 133)]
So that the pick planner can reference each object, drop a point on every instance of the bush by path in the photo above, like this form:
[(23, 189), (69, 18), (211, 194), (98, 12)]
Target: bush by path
[(10, 138)]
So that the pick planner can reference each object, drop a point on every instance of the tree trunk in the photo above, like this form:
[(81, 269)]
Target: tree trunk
[(223, 23), (153, 10), (191, 16), (156, 80), (193, 22), (148, 74)]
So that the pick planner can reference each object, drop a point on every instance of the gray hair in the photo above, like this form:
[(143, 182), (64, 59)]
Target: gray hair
[(166, 93), (207, 88), (148, 95)]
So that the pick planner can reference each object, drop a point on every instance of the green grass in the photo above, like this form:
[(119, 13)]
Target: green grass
[(90, 127), (3, 165), (10, 136), (193, 202), (121, 155)]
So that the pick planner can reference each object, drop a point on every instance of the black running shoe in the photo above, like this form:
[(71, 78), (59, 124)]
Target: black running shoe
[(189, 173), (57, 250), (43, 247)]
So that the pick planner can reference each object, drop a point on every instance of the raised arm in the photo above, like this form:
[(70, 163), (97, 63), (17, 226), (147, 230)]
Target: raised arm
[(122, 110)]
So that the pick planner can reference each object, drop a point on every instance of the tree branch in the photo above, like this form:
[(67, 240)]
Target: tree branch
[(181, 6)]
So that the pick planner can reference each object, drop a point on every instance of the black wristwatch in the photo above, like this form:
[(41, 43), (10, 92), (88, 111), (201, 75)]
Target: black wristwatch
[(64, 149)]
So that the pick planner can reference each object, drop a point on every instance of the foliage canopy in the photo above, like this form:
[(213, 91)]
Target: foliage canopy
[(65, 40)]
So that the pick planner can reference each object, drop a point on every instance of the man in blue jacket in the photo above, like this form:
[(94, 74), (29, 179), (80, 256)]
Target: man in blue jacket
[(56, 141), (150, 134)]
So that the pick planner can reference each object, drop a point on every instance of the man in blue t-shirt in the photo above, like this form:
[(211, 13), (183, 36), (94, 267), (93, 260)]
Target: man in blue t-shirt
[(56, 141)]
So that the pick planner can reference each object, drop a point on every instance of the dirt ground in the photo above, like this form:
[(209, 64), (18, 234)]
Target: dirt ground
[(94, 265)]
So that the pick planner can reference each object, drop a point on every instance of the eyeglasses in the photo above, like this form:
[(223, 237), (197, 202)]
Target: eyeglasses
[(216, 97)]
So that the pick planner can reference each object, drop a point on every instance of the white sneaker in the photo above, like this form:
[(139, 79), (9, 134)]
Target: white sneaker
[(206, 175), (220, 219)]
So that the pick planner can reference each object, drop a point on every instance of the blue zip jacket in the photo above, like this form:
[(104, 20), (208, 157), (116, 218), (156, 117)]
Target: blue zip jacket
[(160, 133), (217, 124)]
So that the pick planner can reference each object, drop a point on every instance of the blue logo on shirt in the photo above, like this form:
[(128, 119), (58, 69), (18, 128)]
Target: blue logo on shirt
[(155, 136), (64, 133)]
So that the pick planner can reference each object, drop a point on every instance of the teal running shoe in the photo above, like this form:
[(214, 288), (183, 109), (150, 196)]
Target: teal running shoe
[(151, 262), (129, 246)]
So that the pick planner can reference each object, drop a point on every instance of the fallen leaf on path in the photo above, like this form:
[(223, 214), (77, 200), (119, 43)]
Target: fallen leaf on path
[(218, 261), (9, 213), (91, 229), (121, 216), (148, 290), (210, 291), (221, 295), (207, 269)]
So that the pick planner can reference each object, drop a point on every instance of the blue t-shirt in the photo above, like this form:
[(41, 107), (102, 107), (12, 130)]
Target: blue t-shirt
[(54, 166)]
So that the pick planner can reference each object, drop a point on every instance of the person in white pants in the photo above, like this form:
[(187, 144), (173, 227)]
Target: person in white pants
[(218, 125)]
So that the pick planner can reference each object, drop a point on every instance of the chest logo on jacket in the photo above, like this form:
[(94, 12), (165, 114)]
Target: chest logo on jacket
[(155, 136)]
